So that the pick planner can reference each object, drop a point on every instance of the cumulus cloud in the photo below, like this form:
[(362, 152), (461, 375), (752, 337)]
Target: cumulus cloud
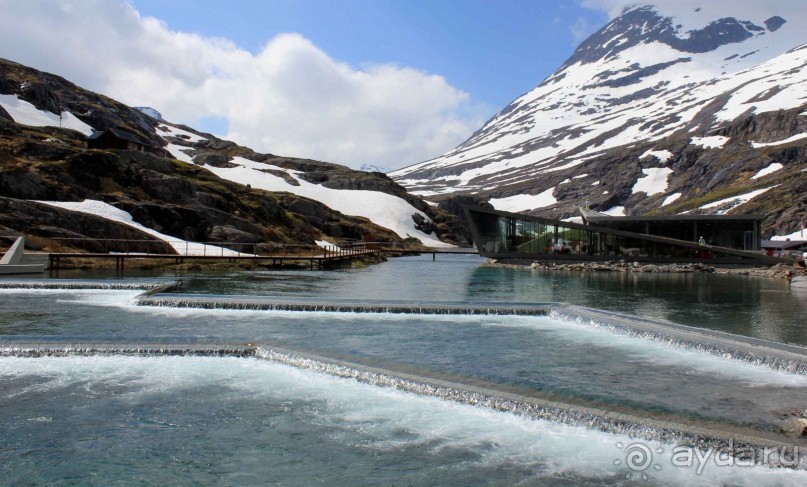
[(290, 98)]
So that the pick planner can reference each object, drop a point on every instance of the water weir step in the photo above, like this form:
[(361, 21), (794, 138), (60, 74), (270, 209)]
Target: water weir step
[(474, 392), (270, 304)]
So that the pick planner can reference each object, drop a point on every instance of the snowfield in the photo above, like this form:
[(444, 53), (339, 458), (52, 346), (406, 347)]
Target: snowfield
[(524, 202), (662, 155), (671, 198), (653, 182), (788, 140), (105, 210), (768, 170), (381, 208), (735, 201), (25, 113), (713, 142)]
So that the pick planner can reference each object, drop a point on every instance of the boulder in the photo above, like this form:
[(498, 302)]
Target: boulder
[(227, 233), (214, 159), (796, 427)]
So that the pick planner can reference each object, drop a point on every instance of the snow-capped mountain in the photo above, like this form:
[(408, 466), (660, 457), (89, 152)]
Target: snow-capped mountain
[(664, 109)]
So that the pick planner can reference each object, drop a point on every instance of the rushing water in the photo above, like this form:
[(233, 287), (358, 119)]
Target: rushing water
[(92, 420)]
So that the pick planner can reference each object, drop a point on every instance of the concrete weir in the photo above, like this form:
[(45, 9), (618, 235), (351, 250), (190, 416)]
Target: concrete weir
[(258, 303), (776, 356), (471, 391), (773, 355), (68, 284)]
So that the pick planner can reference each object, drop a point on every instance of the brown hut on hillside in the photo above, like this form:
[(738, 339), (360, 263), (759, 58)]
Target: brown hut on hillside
[(117, 139)]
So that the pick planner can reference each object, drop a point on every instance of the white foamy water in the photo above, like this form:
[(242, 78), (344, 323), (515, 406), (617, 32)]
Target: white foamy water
[(374, 416), (639, 350), (648, 351)]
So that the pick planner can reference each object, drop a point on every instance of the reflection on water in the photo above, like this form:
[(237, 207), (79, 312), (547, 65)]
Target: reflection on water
[(752, 306)]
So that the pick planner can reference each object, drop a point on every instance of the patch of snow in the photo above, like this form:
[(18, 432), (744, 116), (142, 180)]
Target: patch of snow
[(565, 181), (662, 155), (735, 201), (523, 202), (323, 243), (768, 170), (169, 131), (596, 183), (653, 182), (573, 219), (616, 211), (382, 209), (580, 176), (177, 151), (105, 210), (24, 113), (151, 112), (712, 142), (671, 198), (797, 235), (788, 140), (431, 203)]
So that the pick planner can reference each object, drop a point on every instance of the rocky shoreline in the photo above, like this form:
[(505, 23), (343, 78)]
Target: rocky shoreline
[(779, 271)]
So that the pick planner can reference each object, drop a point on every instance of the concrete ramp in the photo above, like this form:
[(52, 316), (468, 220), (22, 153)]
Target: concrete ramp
[(16, 261)]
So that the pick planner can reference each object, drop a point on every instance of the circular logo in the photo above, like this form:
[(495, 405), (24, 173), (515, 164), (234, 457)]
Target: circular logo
[(638, 457)]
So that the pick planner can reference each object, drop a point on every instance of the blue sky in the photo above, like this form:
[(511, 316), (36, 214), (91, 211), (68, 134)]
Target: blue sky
[(493, 50), (382, 82)]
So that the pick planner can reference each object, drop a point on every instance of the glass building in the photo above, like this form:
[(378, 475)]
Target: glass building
[(503, 235)]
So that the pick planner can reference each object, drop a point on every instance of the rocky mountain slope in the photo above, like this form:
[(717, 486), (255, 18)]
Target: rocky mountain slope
[(660, 111), (188, 185)]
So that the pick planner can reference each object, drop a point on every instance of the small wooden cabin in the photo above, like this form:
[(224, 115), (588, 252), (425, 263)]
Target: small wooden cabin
[(117, 139)]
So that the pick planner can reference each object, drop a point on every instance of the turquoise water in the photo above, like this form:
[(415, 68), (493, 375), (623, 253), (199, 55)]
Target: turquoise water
[(230, 421)]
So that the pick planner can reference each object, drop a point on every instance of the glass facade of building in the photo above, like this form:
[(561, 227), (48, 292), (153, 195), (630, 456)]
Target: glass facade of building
[(501, 235)]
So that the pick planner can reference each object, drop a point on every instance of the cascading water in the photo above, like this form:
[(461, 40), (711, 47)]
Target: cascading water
[(451, 384)]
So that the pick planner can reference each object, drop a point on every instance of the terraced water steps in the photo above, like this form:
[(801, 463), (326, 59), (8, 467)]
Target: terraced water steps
[(637, 423)]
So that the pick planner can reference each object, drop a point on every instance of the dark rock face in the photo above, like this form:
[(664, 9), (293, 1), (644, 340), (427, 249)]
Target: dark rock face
[(775, 23), (644, 24), (214, 159), (55, 94)]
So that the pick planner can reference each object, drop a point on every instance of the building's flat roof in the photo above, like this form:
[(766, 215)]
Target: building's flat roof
[(595, 216)]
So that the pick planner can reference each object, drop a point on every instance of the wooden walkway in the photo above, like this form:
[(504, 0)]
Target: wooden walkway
[(319, 258), (314, 259), (275, 254)]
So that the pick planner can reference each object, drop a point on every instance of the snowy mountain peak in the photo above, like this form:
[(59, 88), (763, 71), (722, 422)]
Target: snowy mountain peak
[(151, 112), (676, 71), (645, 24)]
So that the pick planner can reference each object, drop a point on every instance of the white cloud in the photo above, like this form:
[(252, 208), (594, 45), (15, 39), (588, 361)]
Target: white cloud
[(290, 98)]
